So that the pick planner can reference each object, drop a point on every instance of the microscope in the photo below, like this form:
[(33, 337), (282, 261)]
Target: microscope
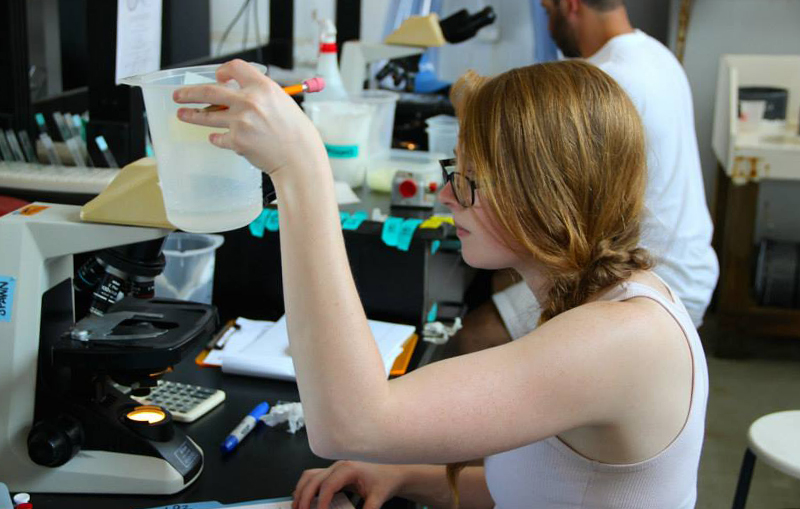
[(64, 425)]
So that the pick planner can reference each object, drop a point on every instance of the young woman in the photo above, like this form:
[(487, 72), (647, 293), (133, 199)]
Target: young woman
[(602, 406)]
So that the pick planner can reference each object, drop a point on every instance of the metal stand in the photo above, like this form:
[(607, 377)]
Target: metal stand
[(745, 476)]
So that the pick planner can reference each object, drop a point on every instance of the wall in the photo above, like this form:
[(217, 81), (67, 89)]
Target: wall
[(306, 30), (748, 27), (223, 12), (651, 16)]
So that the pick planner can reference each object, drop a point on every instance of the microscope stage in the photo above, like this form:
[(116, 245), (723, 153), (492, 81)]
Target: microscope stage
[(136, 334)]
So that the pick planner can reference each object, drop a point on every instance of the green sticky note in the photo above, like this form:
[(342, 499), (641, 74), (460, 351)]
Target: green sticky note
[(391, 231), (257, 226), (407, 230), (354, 221), (272, 221)]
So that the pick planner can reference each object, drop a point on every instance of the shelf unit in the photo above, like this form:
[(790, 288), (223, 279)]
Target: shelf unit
[(747, 157)]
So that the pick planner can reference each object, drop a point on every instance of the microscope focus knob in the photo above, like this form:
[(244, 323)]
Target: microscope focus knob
[(53, 442)]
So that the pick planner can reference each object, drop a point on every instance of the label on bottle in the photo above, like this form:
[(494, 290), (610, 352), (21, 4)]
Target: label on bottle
[(342, 151)]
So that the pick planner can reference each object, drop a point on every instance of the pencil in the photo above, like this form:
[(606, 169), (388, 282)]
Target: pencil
[(308, 86)]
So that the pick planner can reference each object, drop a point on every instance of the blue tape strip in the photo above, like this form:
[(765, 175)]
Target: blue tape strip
[(344, 216), (354, 221), (435, 245), (434, 312), (272, 221), (391, 231), (7, 286), (407, 233), (342, 151), (257, 226)]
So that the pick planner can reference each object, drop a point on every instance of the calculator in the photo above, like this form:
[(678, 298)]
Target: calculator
[(185, 402)]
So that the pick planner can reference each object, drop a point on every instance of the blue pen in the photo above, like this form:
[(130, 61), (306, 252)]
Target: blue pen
[(244, 427)]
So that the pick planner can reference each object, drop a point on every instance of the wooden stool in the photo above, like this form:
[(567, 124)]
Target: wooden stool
[(775, 440)]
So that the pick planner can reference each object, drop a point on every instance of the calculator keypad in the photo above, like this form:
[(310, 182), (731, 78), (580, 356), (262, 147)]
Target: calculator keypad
[(185, 402)]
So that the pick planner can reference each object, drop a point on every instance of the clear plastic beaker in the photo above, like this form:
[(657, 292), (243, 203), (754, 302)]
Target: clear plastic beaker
[(442, 134), (206, 188), (344, 127), (385, 104), (189, 270)]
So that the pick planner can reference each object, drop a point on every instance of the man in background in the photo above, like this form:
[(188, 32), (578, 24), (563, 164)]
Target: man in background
[(677, 227)]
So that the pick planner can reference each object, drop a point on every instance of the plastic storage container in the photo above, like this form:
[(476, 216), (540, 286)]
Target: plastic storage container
[(345, 129), (442, 134), (189, 271), (385, 104), (206, 188)]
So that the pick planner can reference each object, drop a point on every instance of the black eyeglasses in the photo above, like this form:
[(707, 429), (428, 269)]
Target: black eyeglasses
[(463, 186)]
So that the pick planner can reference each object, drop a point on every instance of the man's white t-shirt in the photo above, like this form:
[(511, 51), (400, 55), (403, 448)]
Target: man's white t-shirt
[(677, 227)]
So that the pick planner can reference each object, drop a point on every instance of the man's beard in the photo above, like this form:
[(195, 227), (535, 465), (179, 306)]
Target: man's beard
[(563, 38)]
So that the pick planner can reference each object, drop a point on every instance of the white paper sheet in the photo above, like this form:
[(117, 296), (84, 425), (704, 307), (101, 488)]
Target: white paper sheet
[(235, 340), (138, 37), (267, 355), (344, 194)]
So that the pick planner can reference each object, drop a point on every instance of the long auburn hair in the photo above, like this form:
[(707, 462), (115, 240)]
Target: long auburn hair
[(558, 152)]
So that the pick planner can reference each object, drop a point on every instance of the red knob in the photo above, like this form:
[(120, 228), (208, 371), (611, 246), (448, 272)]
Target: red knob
[(432, 187), (408, 188)]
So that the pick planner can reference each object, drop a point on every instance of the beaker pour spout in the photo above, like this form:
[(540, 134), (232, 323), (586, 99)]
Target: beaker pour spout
[(132, 81)]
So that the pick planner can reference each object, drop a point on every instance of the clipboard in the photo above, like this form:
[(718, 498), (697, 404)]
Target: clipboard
[(400, 366), (224, 337)]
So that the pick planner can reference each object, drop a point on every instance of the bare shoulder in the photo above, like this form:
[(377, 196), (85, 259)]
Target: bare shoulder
[(639, 324)]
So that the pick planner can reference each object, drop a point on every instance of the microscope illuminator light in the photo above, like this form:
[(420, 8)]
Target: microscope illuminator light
[(148, 413)]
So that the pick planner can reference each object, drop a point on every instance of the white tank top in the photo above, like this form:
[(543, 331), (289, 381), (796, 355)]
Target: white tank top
[(549, 474)]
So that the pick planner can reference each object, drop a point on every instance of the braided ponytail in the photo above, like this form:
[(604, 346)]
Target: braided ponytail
[(609, 265)]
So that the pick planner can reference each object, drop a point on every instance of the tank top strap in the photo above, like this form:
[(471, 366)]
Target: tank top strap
[(673, 305)]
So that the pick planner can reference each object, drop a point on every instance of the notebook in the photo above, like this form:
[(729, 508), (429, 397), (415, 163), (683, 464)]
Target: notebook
[(262, 348)]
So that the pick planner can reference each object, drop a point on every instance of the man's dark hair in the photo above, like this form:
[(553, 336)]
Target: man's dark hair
[(602, 5)]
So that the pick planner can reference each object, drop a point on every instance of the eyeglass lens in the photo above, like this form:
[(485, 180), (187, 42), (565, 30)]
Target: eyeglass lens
[(462, 189)]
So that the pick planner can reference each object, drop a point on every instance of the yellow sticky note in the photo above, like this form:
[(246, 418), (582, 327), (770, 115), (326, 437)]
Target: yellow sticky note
[(434, 222)]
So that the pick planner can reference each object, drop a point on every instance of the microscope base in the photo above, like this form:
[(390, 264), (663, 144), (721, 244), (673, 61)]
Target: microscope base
[(102, 472)]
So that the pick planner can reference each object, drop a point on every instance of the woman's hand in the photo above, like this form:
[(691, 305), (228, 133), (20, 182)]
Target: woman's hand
[(265, 125), (374, 483)]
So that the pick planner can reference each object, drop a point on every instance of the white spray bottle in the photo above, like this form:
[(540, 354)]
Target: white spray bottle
[(328, 66)]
